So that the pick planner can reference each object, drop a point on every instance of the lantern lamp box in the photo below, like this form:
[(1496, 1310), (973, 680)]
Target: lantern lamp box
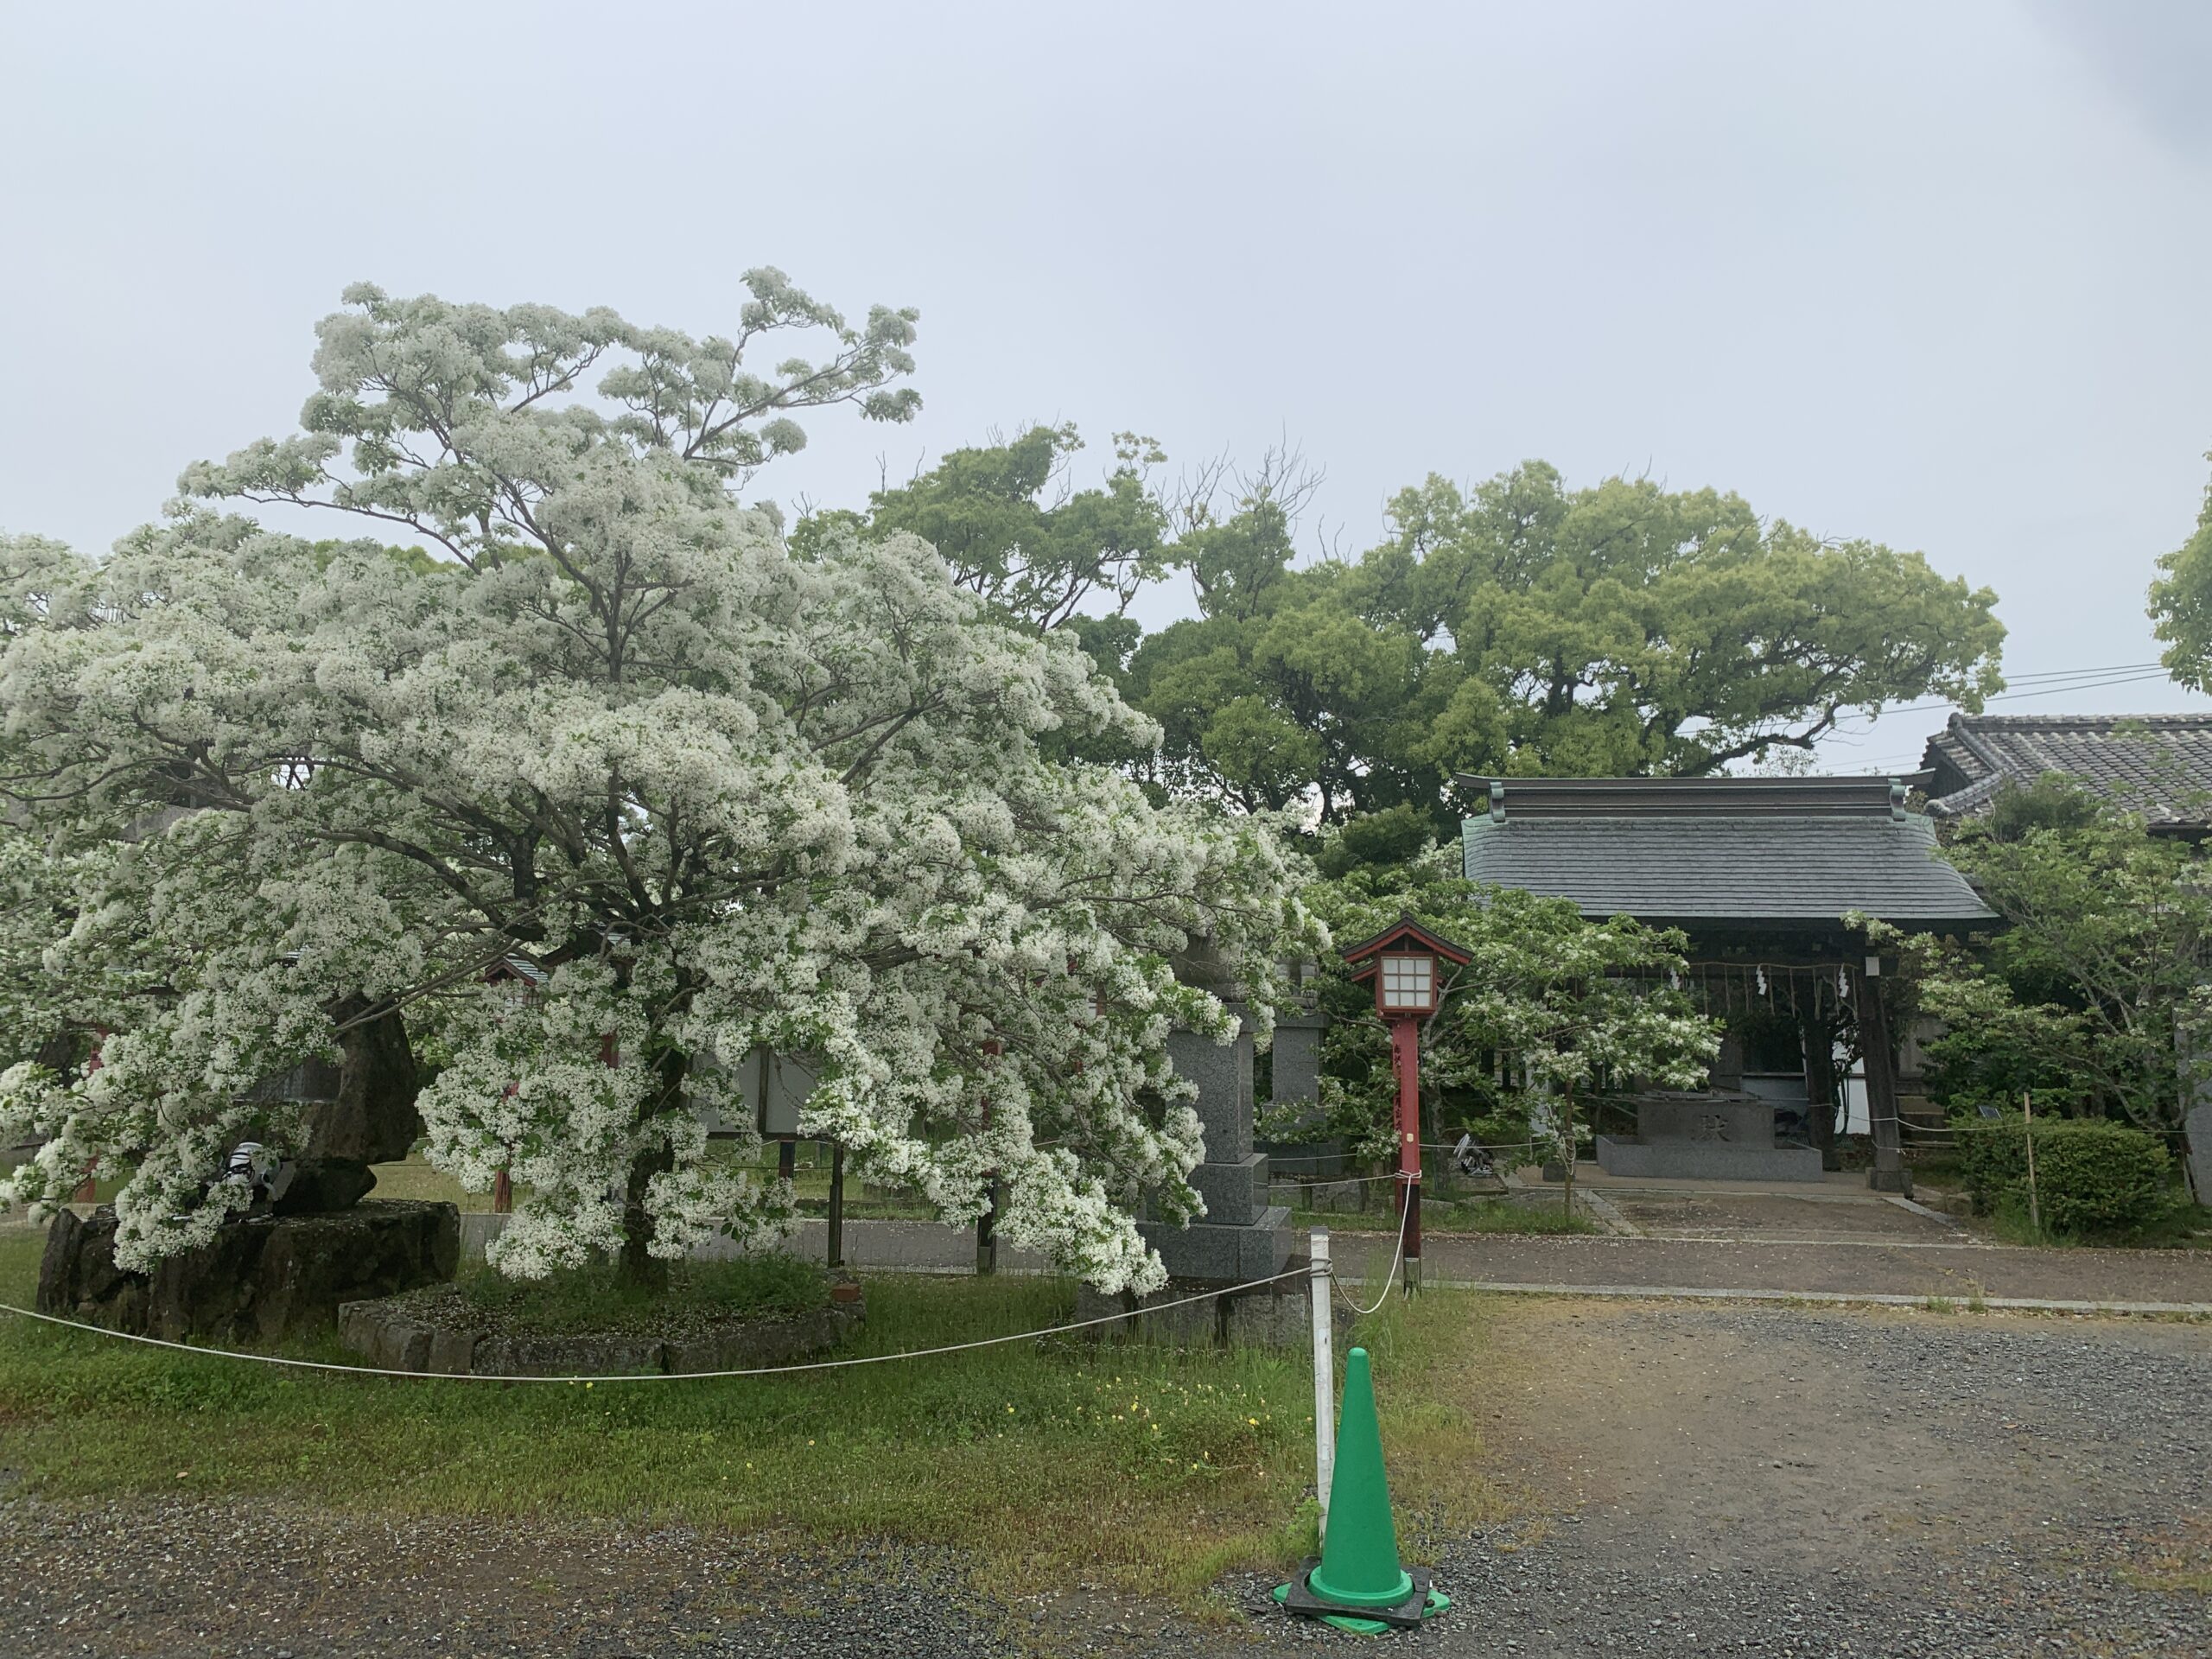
[(1405, 963)]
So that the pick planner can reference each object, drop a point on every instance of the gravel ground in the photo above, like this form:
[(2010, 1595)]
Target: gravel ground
[(288, 1582), (1755, 1261), (1779, 1481), (1698, 1480)]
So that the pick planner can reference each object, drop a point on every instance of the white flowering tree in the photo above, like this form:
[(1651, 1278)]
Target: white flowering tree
[(1563, 1002), (723, 796)]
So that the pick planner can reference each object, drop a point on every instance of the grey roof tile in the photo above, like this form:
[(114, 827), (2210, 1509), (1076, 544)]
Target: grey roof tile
[(2160, 765), (1657, 867)]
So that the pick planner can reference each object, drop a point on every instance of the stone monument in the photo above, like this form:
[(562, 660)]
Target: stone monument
[(1294, 1106), (1242, 1236), (1712, 1134), (308, 1243)]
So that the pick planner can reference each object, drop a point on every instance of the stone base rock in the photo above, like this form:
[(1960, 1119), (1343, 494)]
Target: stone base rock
[(437, 1331), (1721, 1160), (1213, 1253), (259, 1280), (1278, 1315), (324, 1185)]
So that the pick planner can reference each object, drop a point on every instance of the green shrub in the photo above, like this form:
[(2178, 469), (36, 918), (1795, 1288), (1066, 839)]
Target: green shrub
[(2092, 1175), (597, 1298)]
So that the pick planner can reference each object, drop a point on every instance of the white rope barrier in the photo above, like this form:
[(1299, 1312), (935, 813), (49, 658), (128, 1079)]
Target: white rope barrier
[(1397, 1258), (657, 1377)]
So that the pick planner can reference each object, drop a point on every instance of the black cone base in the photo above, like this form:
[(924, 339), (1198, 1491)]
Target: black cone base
[(1399, 1615)]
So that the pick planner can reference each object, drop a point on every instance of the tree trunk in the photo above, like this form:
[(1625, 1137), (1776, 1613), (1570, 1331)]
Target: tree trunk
[(637, 1268), (1566, 1162)]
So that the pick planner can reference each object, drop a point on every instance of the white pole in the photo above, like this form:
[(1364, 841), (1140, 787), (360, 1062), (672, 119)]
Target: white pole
[(1325, 1376)]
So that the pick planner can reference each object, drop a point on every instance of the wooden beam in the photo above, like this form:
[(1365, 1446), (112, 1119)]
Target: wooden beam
[(1816, 1036), (1875, 1039)]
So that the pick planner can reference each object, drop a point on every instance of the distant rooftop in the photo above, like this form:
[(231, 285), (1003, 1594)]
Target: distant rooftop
[(1796, 853), (2160, 765)]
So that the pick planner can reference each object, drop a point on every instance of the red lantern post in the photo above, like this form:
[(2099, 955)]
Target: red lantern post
[(1405, 963)]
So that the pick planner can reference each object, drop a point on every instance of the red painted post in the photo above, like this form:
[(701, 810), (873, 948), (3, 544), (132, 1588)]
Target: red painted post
[(1405, 1053), (1405, 963), (503, 1188)]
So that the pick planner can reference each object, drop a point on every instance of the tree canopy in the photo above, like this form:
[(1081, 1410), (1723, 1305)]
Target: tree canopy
[(721, 796), (1007, 520), (2091, 995), (1523, 626), (1529, 628)]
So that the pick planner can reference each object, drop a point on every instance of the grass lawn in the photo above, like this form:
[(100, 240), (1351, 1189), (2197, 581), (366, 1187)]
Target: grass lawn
[(1150, 1468)]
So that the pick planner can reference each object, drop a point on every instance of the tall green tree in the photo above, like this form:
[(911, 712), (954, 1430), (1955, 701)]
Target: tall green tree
[(1529, 628), (1017, 533), (2181, 602)]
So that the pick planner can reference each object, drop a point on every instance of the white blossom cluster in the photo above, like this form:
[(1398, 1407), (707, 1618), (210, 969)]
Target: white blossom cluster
[(718, 798)]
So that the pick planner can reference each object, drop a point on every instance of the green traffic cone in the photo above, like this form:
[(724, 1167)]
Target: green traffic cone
[(1359, 1568), (1359, 1564)]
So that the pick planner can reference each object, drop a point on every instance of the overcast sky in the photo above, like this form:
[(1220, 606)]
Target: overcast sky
[(1935, 275)]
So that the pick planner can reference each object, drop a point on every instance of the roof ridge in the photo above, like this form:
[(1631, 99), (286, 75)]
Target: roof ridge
[(1969, 739), (1962, 722)]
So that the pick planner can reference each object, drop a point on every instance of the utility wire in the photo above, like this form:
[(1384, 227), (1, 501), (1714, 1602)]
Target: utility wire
[(2011, 696)]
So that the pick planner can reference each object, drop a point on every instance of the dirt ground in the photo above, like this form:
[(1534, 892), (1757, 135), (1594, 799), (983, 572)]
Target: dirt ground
[(1778, 1216)]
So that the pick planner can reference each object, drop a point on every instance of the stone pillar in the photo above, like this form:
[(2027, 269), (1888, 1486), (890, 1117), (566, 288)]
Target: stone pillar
[(1295, 1105), (2198, 1151), (1297, 1057), (1727, 1070), (1241, 1237)]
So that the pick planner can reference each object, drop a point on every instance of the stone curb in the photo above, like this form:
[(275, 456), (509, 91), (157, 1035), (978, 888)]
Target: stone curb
[(395, 1338)]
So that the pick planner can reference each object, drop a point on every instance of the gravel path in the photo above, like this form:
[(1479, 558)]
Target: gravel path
[(1937, 1267)]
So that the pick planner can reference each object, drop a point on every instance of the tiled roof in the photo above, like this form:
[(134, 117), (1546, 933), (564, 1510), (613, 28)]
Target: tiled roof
[(1663, 853), (2157, 765)]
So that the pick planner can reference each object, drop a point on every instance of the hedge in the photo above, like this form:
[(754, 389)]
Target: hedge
[(2092, 1175)]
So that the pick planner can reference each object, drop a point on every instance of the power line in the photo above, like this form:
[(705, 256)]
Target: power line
[(2011, 696), (2073, 673)]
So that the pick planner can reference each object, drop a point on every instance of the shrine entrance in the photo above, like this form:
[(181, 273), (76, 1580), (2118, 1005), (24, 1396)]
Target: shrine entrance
[(1770, 879)]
